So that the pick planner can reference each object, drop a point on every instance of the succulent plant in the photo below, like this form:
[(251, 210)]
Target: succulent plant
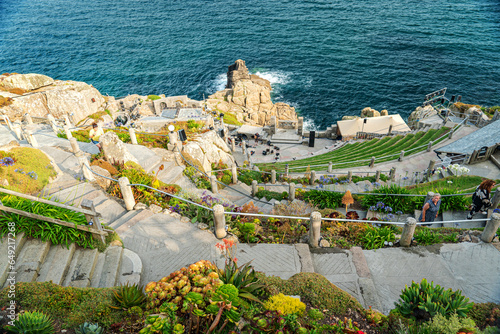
[(32, 323), (128, 296), (89, 328)]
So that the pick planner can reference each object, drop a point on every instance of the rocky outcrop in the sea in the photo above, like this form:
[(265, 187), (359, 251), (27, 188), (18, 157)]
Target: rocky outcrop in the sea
[(420, 113), (249, 98), (206, 149), (40, 95), (368, 112)]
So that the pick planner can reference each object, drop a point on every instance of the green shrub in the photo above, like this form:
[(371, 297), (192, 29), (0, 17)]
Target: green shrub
[(247, 176), (485, 314), (285, 304), (269, 195), (404, 204), (425, 236), (324, 199), (32, 323), (423, 301), (153, 97), (89, 328), (377, 237), (452, 325), (127, 296)]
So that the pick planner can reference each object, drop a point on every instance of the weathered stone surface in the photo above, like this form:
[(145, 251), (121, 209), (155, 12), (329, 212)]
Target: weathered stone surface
[(384, 112), (131, 103), (27, 82), (155, 208), (249, 98), (114, 149), (420, 113), (140, 206), (369, 112), (208, 147), (348, 118), (101, 181)]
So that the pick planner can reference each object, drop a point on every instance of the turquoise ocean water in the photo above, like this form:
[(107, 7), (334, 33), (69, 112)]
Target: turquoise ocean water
[(326, 58)]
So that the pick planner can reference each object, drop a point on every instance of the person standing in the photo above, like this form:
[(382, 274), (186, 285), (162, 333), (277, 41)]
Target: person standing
[(94, 135), (430, 209), (481, 198)]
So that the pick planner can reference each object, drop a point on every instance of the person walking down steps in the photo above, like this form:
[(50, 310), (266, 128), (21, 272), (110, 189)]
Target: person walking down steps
[(481, 198), (94, 135), (430, 209)]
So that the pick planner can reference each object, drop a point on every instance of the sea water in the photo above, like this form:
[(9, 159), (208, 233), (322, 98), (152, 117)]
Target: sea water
[(326, 58)]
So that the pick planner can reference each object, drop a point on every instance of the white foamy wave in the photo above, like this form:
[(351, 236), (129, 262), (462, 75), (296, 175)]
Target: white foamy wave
[(274, 77), (309, 125), (219, 83)]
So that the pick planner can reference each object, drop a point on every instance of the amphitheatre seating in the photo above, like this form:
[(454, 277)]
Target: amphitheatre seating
[(359, 154)]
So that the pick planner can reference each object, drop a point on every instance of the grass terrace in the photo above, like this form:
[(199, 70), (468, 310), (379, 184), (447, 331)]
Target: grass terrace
[(359, 154)]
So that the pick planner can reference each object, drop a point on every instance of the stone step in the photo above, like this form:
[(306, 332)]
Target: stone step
[(148, 159), (65, 160), (56, 264), (110, 211), (81, 268), (64, 181), (105, 276), (123, 219), (30, 260), (131, 268), (16, 244), (143, 214), (171, 175), (74, 194)]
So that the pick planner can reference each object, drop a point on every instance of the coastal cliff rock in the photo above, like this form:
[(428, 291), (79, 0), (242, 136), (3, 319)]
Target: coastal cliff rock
[(208, 147), (114, 149), (48, 96), (369, 112), (249, 98), (420, 113)]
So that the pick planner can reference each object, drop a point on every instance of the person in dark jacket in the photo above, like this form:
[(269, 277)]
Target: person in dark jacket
[(481, 198)]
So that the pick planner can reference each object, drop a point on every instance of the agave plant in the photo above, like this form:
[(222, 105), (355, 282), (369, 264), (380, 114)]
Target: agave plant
[(128, 296), (32, 323), (89, 328)]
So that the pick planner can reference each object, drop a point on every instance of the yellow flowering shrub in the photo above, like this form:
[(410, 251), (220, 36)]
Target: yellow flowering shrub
[(285, 304)]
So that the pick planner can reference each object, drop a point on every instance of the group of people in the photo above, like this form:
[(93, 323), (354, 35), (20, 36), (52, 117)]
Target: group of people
[(481, 201)]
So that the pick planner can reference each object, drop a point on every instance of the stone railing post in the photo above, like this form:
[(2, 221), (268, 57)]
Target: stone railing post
[(18, 131), (220, 221), (233, 146), (372, 162), (84, 163), (243, 146), (314, 229), (273, 176), (172, 140), (234, 172), (401, 156), (28, 118), (330, 167), (74, 145), (491, 228), (127, 194), (432, 163), (213, 184), (67, 131), (408, 230), (450, 135), (377, 176), (291, 191), (429, 146), (349, 177), (66, 120), (254, 187), (7, 120), (32, 140), (287, 170), (393, 173), (133, 137), (313, 177)]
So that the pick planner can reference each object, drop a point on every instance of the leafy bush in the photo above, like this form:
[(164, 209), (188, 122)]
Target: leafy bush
[(285, 304), (269, 195), (200, 180), (404, 204), (127, 296), (425, 236), (153, 97), (32, 323), (324, 199), (485, 314), (452, 325), (247, 176), (378, 237), (423, 301)]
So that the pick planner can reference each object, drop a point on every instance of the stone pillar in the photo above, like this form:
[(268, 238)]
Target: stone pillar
[(213, 184), (18, 131), (273, 176), (254, 187), (392, 174), (401, 156), (377, 176), (432, 163), (84, 163), (28, 118), (234, 171), (314, 229), (287, 170), (9, 124), (274, 125), (495, 200), (429, 146), (390, 130), (133, 137), (127, 194), (233, 146), (349, 177), (248, 157), (255, 168), (32, 140), (67, 121), (491, 228), (330, 167), (450, 135), (408, 230), (291, 191), (313, 177), (67, 131), (372, 162), (74, 145), (220, 221), (172, 138), (300, 126)]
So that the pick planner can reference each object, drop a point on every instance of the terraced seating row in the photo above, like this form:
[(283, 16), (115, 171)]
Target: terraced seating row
[(359, 154)]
